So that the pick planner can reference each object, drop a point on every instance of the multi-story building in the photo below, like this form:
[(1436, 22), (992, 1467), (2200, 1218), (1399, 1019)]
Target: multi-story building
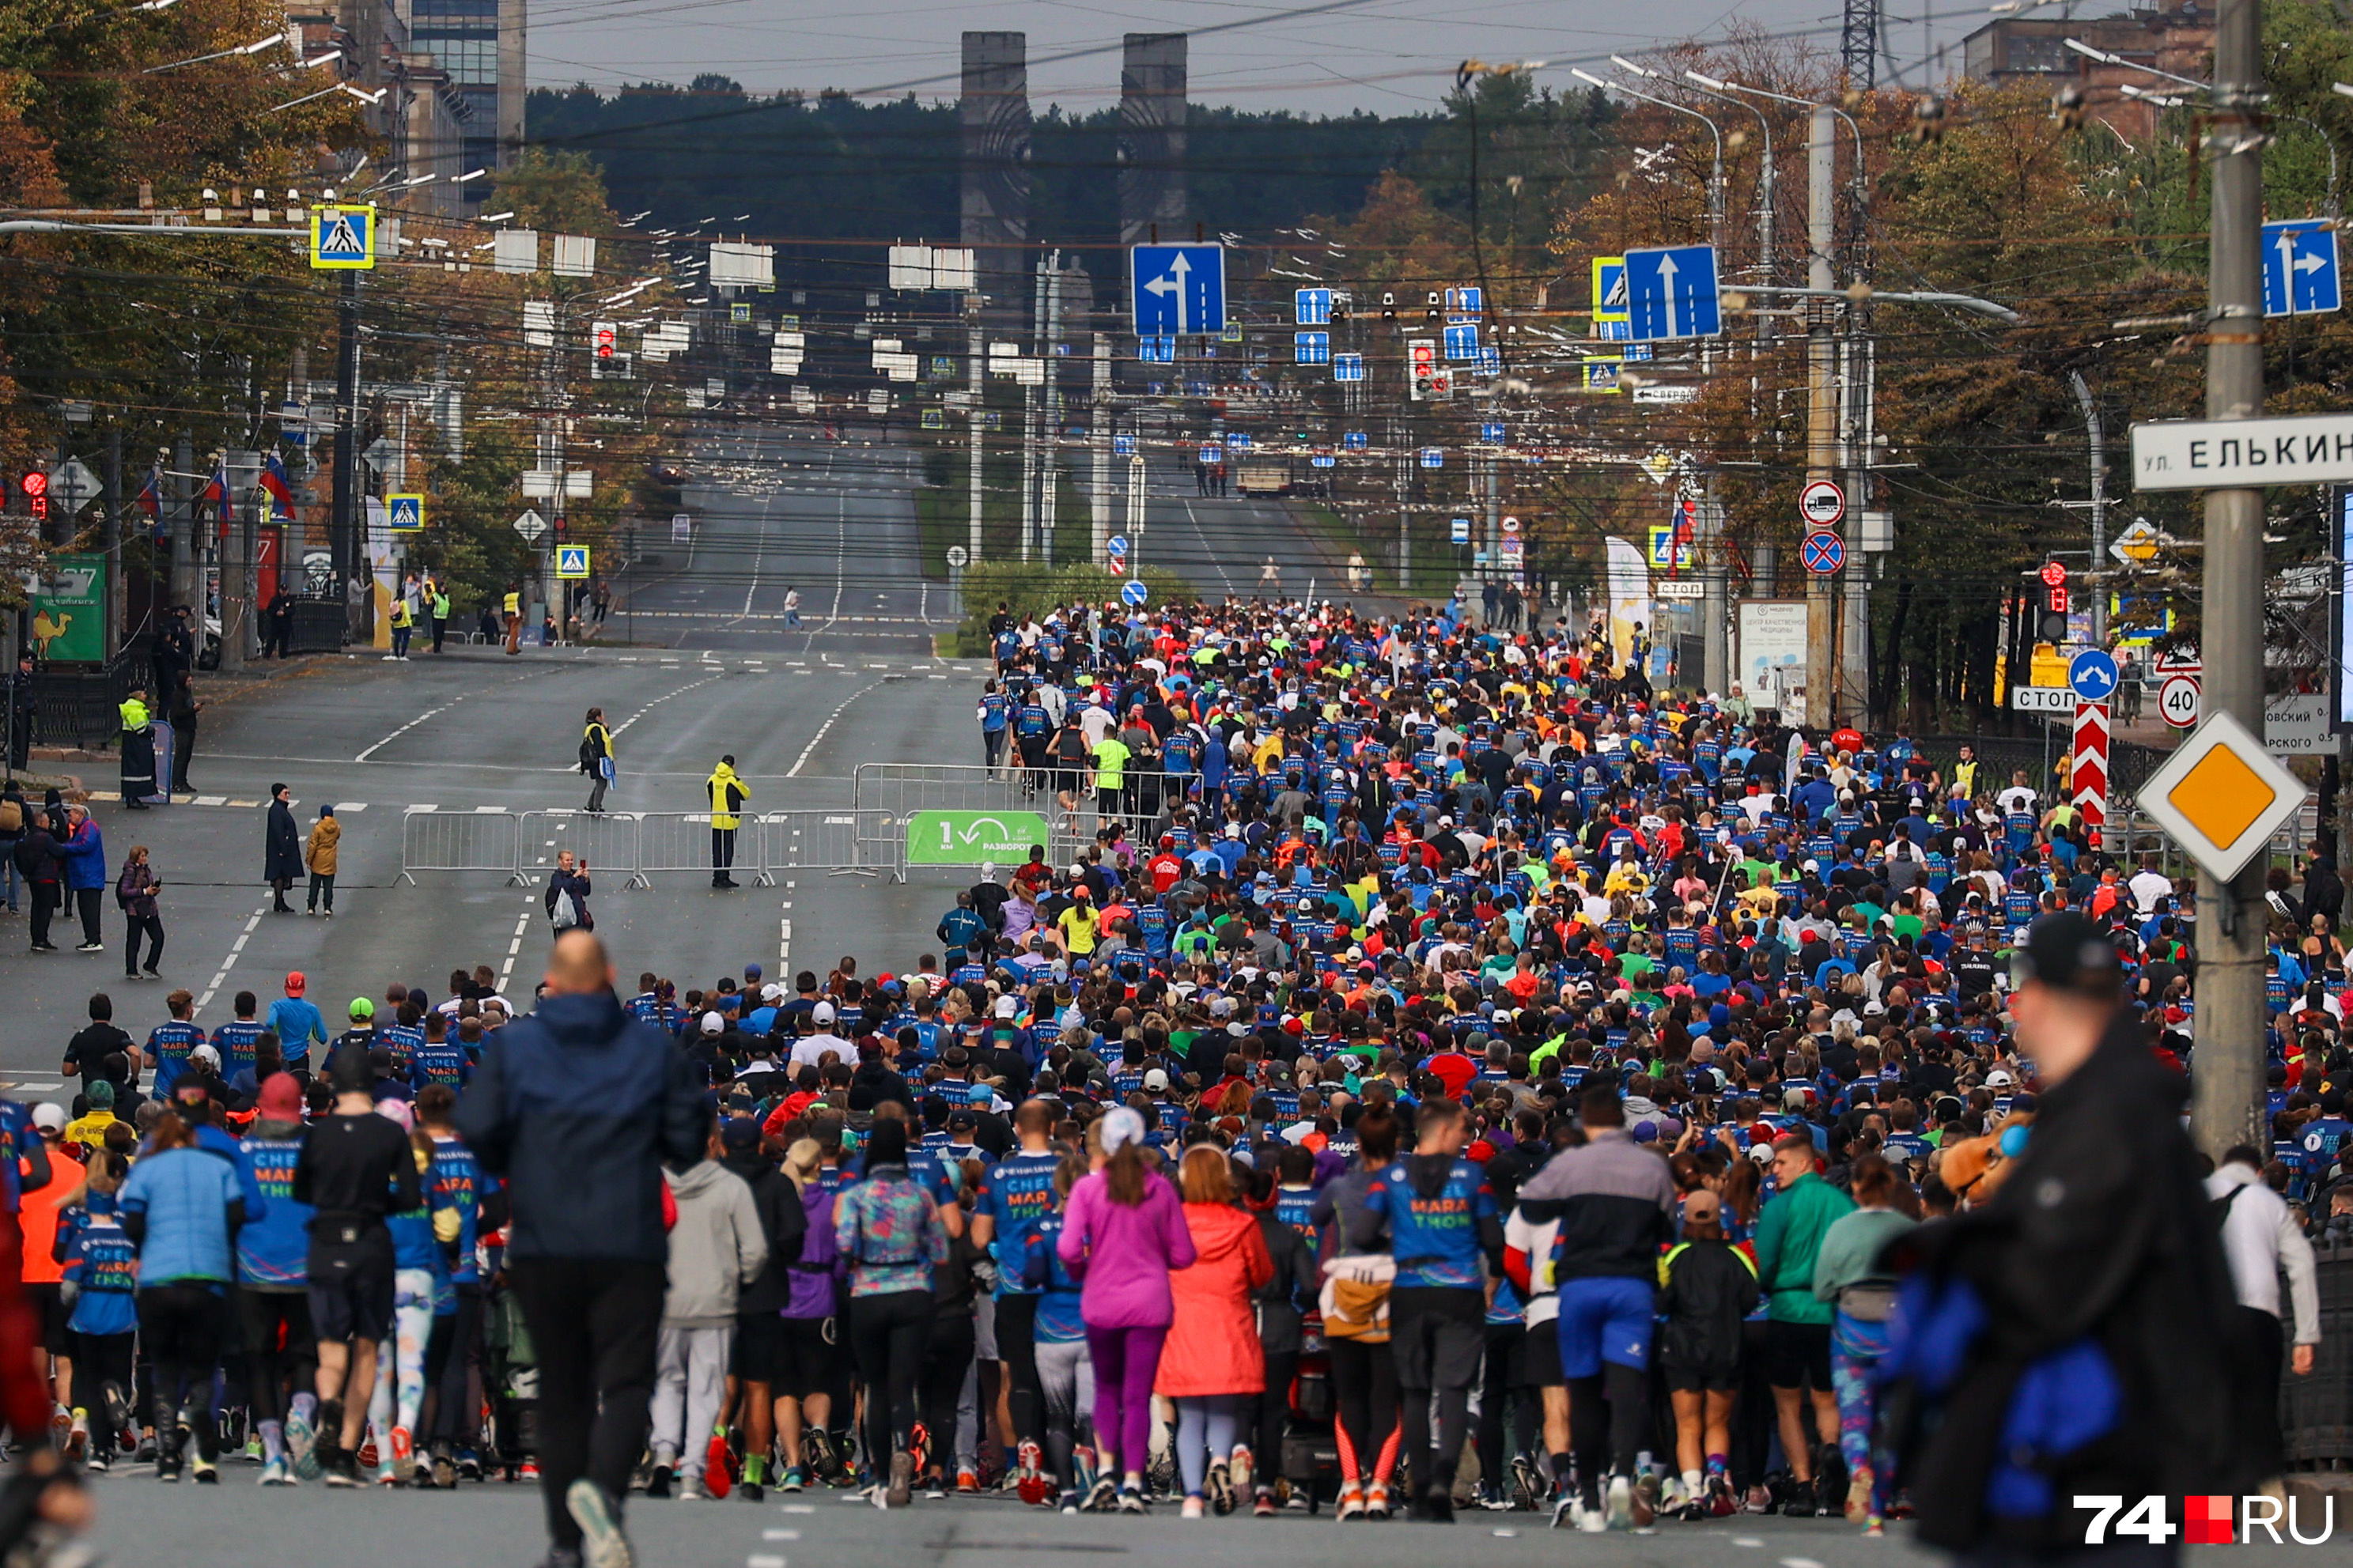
[(2177, 37), (455, 68)]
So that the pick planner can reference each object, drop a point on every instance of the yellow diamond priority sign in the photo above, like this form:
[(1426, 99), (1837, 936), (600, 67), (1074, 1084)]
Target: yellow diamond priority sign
[(2221, 796)]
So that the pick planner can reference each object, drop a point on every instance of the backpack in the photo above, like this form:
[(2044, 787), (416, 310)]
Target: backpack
[(11, 816)]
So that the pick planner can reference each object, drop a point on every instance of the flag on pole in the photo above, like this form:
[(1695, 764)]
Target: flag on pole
[(150, 495), (281, 492)]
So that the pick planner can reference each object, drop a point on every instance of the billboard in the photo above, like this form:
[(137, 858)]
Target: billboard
[(1770, 655), (70, 610)]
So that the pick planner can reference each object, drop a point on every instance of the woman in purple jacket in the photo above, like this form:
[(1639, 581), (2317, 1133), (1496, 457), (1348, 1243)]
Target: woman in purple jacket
[(1123, 1233)]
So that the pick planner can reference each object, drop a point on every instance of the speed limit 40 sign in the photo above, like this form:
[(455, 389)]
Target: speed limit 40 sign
[(2178, 700)]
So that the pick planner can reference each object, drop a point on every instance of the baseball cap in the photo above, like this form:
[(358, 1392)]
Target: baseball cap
[(740, 1132), (713, 1024), (1999, 1079), (295, 982), (1702, 1207), (772, 992), (362, 1008), (1155, 1079), (2064, 950), (49, 1116), (1007, 1007), (282, 1098), (822, 1013)]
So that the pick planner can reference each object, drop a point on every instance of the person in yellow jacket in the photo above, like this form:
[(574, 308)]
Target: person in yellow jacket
[(727, 797), (511, 608), (138, 751), (403, 626)]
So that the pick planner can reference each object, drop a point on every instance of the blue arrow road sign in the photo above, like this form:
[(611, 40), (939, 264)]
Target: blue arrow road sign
[(1310, 348), (1433, 457), (2300, 276), (1313, 307), (1135, 593), (1670, 294), (1122, 446), (1462, 342), (1492, 432), (1178, 288), (1354, 440), (2093, 674), (1347, 367), (1823, 552)]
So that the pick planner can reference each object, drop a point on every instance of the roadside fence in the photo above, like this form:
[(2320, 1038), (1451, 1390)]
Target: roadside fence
[(638, 847)]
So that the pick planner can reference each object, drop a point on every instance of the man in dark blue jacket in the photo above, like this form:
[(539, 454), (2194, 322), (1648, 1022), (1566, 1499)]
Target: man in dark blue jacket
[(577, 1107)]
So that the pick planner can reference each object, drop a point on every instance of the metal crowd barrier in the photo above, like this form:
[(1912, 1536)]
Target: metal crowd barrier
[(899, 790), (435, 841), (637, 846)]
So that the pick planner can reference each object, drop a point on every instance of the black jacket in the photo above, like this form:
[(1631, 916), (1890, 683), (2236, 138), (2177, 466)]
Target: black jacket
[(577, 1106), (2102, 1233), (1710, 1289), (786, 1223), (1294, 1283), (281, 852)]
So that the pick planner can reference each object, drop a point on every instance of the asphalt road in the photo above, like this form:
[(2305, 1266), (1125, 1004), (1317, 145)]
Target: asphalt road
[(1221, 543), (715, 672), (233, 1527)]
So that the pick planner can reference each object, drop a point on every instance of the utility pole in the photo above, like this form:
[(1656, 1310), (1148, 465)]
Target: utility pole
[(187, 561), (1715, 582), (2226, 1066), (2099, 503), (1822, 662), (1099, 435), (110, 535), (343, 528), (1029, 416), (1050, 420), (975, 417)]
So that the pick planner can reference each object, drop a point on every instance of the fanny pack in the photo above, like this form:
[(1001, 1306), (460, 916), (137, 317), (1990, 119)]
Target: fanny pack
[(1354, 1299), (1870, 1301)]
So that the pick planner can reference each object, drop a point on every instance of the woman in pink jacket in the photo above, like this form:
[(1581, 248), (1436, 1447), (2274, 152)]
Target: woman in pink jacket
[(1122, 1235), (1213, 1358)]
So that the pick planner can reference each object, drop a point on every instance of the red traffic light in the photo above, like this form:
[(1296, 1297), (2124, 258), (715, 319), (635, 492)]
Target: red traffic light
[(35, 483), (2053, 574)]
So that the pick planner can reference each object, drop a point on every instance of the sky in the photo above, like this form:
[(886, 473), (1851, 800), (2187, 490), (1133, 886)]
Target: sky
[(1322, 56)]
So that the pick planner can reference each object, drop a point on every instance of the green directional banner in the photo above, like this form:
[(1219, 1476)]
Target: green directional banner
[(969, 837)]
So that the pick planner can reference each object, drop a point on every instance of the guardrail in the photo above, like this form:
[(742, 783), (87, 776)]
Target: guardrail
[(524, 846), (900, 790), (486, 840)]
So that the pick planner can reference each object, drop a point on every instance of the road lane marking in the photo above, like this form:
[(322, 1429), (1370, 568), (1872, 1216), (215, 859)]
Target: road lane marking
[(405, 728), (229, 961), (794, 771)]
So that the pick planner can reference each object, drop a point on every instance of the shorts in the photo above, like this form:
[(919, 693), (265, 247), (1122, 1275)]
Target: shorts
[(1696, 1379), (1438, 1335), (1069, 781), (1540, 1357), (758, 1348), (1796, 1354), (356, 1307), (806, 1357), (47, 1299), (1605, 1320)]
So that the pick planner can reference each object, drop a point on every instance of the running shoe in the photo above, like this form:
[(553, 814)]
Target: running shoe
[(1132, 1500), (342, 1470), (935, 1486), (1221, 1489), (1194, 1508), (751, 1491), (793, 1480), (77, 1436), (1262, 1505), (1068, 1502), (1567, 1512), (658, 1484), (1646, 1499), (368, 1454), (403, 1462), (1376, 1501), (445, 1472), (302, 1444), (691, 1490), (207, 1473), (1240, 1467), (718, 1477), (967, 1482), (528, 1472), (1437, 1506), (919, 1443), (1351, 1501), (1031, 1483), (1102, 1497), (1858, 1494), (1492, 1498), (469, 1464), (602, 1544), (1527, 1481), (1722, 1501), (61, 1425), (1592, 1519), (1620, 1506), (902, 1490)]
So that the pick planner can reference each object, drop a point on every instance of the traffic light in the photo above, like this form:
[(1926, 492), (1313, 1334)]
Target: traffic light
[(1432, 312), (606, 334), (1422, 368), (1388, 307), (35, 483)]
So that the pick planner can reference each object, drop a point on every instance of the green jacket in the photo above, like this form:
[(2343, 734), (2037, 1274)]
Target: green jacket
[(1788, 1237)]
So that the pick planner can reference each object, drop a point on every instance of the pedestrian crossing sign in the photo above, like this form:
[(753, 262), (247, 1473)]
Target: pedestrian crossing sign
[(405, 514), (571, 563), (342, 238)]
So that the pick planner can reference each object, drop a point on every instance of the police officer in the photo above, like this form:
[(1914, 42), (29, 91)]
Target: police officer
[(138, 748)]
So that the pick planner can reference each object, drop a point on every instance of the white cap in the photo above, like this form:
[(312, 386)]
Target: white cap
[(1121, 1127), (822, 1013), (772, 992), (205, 1055), (1999, 1079), (713, 1024), (1155, 1079), (49, 1115), (1009, 1007)]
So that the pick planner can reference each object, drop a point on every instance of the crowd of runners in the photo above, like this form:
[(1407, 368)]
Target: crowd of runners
[(1444, 1074)]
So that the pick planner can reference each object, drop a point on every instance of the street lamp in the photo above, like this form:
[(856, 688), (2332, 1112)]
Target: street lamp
[(1861, 191), (1764, 182), (1715, 173)]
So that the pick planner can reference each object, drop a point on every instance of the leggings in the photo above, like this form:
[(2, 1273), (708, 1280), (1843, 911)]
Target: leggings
[(1504, 1345), (398, 1398), (1609, 1421), (1016, 1332), (272, 1368), (449, 1370), (1067, 1379), (1858, 1408), (947, 1357), (1127, 1360), (180, 1325), (1273, 1414), (101, 1362), (1364, 1382), (887, 1335), (1206, 1425)]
